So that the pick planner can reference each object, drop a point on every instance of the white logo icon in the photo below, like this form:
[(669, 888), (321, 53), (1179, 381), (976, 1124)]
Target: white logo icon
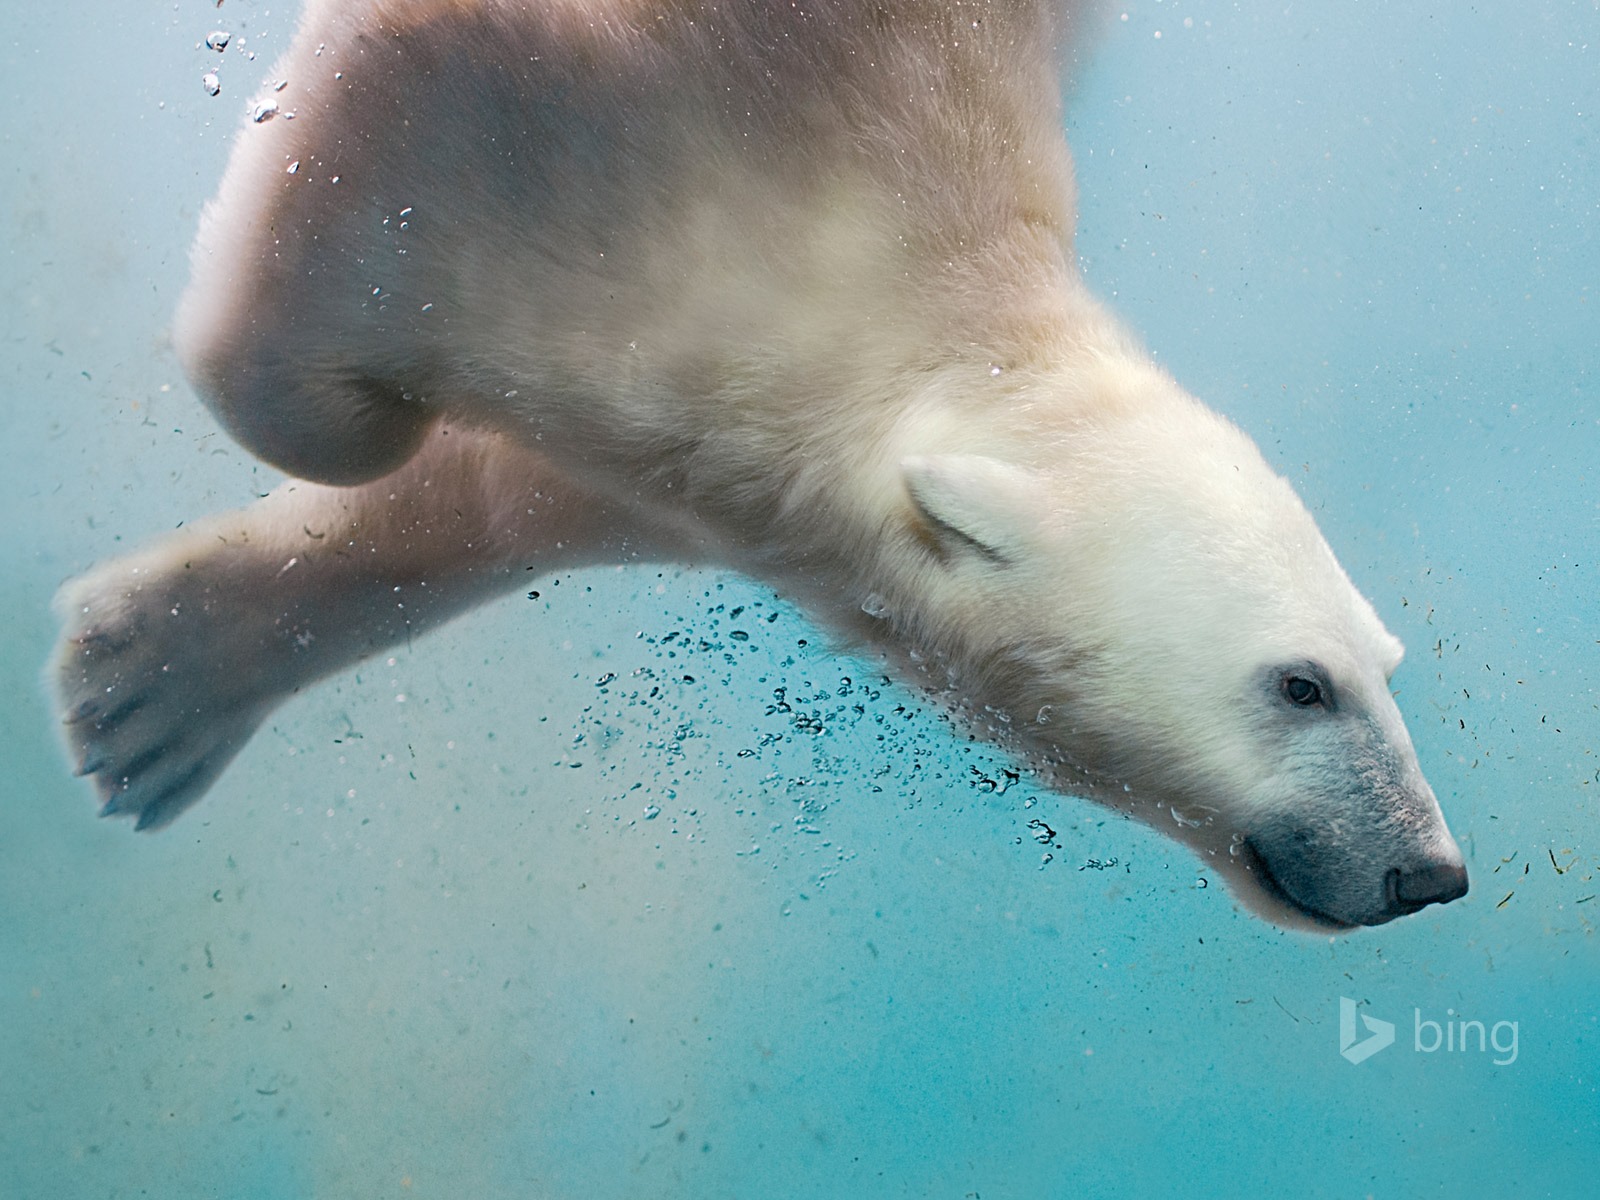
[(1379, 1033)]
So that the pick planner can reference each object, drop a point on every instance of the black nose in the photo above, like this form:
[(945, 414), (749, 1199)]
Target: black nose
[(1412, 889)]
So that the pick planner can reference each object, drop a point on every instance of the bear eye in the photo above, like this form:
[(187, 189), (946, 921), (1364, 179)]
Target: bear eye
[(1302, 691)]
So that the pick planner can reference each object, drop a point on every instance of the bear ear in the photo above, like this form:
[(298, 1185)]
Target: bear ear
[(972, 504)]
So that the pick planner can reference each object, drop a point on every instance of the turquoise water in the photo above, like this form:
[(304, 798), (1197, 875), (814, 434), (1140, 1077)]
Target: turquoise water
[(424, 940)]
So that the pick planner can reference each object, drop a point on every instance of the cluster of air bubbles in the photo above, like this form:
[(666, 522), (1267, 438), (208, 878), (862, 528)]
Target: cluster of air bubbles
[(218, 40)]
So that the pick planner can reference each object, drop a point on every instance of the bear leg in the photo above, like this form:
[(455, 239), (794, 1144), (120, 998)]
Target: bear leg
[(172, 656)]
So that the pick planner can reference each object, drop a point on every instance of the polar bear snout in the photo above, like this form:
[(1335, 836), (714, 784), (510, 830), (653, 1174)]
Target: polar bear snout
[(1330, 881)]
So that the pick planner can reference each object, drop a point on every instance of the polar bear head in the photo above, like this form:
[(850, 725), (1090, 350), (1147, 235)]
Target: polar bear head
[(1149, 610)]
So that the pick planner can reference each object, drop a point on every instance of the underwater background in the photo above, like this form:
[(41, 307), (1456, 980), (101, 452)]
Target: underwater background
[(643, 889)]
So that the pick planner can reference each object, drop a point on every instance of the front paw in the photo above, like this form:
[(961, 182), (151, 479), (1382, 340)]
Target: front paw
[(152, 701)]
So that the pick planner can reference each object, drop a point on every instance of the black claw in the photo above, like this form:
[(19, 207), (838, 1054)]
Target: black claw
[(92, 765), (82, 712), (101, 638), (169, 805), (117, 713), (159, 816), (101, 715), (137, 764)]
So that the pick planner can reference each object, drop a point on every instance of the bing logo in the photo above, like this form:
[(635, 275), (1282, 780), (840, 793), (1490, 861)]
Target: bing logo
[(1430, 1036)]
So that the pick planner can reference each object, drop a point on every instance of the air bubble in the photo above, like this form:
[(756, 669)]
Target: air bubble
[(264, 110), (875, 606), (218, 40), (211, 83)]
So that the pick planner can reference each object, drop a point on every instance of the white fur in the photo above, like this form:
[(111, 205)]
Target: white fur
[(789, 287)]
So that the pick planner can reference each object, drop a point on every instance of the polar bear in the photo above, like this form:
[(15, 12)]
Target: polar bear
[(785, 287)]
